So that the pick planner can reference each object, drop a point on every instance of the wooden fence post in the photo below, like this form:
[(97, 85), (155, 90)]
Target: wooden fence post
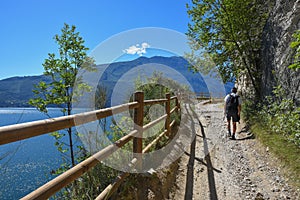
[(138, 141), (138, 123), (168, 110)]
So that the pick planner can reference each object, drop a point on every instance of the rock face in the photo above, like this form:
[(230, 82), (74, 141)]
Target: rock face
[(276, 55)]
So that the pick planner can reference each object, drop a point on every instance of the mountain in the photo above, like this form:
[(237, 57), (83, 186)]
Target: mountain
[(16, 91)]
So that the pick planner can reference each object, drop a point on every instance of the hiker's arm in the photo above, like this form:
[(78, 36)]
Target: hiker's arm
[(225, 105)]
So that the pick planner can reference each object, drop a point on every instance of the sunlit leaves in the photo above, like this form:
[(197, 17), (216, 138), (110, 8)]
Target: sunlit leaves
[(280, 115), (229, 31), (296, 45), (63, 70)]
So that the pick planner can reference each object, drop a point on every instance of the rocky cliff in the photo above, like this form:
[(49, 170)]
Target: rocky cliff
[(276, 55)]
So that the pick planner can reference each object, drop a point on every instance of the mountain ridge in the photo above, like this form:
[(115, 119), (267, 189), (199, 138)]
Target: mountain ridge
[(16, 91)]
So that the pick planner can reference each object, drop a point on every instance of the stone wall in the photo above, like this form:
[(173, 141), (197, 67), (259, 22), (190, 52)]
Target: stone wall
[(276, 55)]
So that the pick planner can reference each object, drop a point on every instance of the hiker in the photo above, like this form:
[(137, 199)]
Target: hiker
[(232, 109)]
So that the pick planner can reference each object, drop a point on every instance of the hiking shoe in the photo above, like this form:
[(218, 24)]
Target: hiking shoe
[(228, 133), (233, 137)]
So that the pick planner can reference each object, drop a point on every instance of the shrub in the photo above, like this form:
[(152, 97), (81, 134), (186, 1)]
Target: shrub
[(277, 114)]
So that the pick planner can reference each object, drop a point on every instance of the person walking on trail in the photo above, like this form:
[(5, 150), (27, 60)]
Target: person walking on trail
[(232, 110)]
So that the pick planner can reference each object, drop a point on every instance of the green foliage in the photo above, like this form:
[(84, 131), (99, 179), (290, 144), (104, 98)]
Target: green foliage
[(62, 71), (276, 114), (230, 32), (90, 184), (156, 87), (296, 45), (276, 123)]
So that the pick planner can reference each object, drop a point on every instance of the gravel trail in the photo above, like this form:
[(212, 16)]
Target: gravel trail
[(216, 167)]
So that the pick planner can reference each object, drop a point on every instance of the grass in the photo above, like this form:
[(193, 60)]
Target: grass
[(287, 152)]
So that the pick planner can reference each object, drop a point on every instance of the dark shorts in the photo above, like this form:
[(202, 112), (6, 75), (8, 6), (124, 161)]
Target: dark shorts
[(233, 115)]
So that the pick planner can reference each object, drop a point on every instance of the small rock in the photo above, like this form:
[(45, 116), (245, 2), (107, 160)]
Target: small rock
[(275, 190), (260, 166), (277, 179), (247, 179), (267, 149), (200, 170), (282, 196), (261, 169), (259, 196)]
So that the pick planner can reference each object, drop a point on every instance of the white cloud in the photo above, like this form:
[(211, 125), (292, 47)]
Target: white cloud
[(137, 49)]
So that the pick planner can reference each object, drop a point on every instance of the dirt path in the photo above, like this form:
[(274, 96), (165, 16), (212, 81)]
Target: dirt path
[(216, 167)]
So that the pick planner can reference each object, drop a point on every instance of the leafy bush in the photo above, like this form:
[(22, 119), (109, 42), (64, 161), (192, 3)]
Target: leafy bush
[(296, 45), (277, 114)]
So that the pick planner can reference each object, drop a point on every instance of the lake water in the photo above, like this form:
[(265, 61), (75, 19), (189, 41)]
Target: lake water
[(25, 165)]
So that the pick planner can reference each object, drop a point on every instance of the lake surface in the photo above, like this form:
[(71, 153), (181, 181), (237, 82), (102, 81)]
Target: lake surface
[(25, 165)]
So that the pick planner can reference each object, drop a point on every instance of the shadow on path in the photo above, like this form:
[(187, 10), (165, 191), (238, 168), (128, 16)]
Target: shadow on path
[(206, 161), (190, 170)]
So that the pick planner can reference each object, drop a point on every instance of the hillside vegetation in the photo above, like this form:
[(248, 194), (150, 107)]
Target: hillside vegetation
[(257, 42), (16, 91)]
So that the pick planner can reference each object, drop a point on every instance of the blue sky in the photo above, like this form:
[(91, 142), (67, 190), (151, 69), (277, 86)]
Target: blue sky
[(28, 27)]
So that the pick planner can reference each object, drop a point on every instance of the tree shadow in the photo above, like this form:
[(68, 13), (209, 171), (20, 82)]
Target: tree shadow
[(206, 161), (189, 188)]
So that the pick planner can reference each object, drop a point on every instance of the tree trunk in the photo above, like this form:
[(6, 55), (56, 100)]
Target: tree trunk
[(70, 138)]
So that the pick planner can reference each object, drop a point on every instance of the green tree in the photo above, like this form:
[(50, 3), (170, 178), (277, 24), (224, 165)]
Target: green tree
[(230, 32), (63, 71), (296, 45)]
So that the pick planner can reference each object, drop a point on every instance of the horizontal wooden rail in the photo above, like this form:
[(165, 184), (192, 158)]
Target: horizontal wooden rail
[(148, 147), (155, 101), (203, 96), (108, 191), (22, 131), (53, 186), (173, 110), (154, 122), (172, 123)]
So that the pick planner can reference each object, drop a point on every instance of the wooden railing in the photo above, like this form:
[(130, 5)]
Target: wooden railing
[(203, 96), (22, 131)]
